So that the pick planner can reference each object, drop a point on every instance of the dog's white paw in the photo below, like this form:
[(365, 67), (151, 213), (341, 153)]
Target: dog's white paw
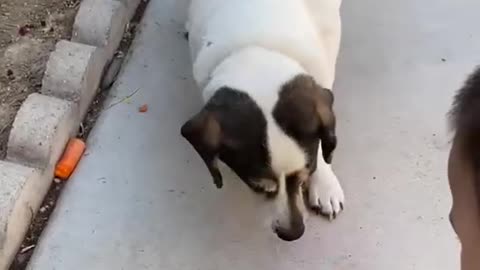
[(326, 195)]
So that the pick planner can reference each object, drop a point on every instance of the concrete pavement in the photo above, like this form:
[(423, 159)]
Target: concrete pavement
[(142, 199)]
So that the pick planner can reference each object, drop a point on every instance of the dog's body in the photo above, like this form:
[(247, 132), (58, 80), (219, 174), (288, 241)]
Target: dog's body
[(266, 68), (307, 31)]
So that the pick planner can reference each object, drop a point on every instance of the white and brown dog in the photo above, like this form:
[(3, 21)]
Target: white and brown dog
[(266, 68)]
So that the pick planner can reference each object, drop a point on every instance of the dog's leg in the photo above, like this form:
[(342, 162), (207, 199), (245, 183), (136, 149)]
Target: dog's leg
[(325, 193)]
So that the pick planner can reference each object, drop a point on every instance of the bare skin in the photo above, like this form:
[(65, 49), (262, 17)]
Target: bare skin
[(465, 213)]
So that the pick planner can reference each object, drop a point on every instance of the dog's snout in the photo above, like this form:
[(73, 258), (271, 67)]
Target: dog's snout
[(289, 234)]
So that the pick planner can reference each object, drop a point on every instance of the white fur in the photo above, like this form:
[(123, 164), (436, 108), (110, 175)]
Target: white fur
[(267, 185), (257, 46), (275, 70), (325, 192), (305, 30)]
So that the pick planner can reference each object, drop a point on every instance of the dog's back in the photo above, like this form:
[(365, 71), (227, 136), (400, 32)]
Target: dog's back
[(305, 30)]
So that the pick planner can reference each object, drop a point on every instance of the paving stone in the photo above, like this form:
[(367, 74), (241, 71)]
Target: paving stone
[(22, 191), (73, 73), (41, 130), (101, 24)]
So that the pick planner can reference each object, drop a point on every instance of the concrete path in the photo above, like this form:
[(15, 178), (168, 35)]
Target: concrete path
[(142, 199)]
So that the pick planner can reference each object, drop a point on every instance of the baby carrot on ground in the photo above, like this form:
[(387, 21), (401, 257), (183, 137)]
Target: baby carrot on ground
[(70, 158), (143, 108)]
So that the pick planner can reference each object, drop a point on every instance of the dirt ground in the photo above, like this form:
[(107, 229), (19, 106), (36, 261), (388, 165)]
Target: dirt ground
[(29, 30)]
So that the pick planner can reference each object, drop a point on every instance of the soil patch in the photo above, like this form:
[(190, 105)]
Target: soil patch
[(29, 30)]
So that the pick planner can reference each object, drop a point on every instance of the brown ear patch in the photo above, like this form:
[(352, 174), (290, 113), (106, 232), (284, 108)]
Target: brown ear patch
[(203, 132), (305, 99), (231, 128), (205, 127), (304, 111)]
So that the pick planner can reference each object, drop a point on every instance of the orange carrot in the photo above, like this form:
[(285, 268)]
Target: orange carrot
[(143, 108), (70, 158)]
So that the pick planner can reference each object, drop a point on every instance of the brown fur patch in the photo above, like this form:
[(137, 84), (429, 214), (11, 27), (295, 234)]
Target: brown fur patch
[(303, 99), (304, 111), (231, 127), (294, 184), (204, 133)]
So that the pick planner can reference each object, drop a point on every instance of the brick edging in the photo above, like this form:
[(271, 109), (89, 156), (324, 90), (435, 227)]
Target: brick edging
[(46, 120)]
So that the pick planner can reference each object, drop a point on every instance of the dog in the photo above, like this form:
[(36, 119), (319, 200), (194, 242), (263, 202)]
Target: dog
[(266, 70), (464, 170)]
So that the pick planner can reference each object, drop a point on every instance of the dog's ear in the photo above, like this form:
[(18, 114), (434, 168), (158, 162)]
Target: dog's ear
[(326, 130), (305, 110), (204, 133)]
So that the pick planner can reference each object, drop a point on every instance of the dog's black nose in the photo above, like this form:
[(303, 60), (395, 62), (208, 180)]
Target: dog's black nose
[(290, 234)]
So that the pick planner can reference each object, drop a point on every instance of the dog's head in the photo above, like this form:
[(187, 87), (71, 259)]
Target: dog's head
[(272, 149)]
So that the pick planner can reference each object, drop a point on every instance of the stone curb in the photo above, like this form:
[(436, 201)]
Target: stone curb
[(73, 73), (42, 127), (46, 120), (100, 24), (23, 189)]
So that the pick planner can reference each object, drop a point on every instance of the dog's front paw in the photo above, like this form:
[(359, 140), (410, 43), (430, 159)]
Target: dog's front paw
[(267, 186), (326, 195)]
